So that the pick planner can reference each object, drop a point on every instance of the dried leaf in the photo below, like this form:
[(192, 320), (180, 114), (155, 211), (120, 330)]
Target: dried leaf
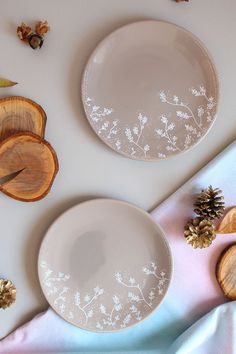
[(6, 83), (228, 224)]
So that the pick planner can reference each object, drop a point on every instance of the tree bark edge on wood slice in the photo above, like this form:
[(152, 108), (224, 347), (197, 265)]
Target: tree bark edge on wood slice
[(37, 160), (20, 114), (226, 271)]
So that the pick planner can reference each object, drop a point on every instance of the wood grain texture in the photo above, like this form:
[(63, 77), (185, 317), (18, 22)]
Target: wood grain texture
[(226, 272), (19, 114), (38, 162)]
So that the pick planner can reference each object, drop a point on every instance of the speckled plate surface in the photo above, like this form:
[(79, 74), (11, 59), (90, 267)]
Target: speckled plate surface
[(104, 265), (150, 90)]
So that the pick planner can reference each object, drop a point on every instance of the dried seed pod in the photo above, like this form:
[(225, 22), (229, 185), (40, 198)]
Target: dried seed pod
[(23, 32), (34, 38), (42, 28), (35, 41)]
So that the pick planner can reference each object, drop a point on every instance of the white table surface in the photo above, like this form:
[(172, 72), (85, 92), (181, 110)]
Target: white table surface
[(88, 168)]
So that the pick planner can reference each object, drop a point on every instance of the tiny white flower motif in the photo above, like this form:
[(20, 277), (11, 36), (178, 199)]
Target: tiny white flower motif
[(144, 120), (211, 99), (176, 99), (162, 274), (195, 92), (171, 126), (129, 134), (164, 119), (210, 105), (135, 130), (161, 156), (118, 307), (200, 112), (160, 291), (140, 117), (108, 111), (146, 148), (133, 297), (118, 144), (159, 131), (133, 309), (102, 309), (163, 96), (117, 317), (183, 115), (118, 277)]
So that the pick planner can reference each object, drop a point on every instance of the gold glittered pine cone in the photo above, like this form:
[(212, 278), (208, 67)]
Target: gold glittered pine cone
[(199, 233), (42, 28), (7, 293), (210, 203), (24, 32)]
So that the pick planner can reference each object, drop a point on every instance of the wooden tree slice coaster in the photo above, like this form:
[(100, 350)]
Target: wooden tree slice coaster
[(226, 272), (19, 114), (38, 162)]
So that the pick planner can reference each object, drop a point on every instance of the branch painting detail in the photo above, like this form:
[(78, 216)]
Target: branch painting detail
[(156, 136), (100, 310)]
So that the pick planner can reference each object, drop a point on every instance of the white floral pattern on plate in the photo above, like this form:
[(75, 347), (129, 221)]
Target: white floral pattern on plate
[(128, 307), (173, 132)]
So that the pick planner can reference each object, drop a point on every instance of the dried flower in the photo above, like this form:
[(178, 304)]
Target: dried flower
[(34, 38), (42, 28), (24, 32)]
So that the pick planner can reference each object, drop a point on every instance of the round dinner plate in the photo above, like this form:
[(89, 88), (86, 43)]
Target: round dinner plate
[(150, 90), (104, 265)]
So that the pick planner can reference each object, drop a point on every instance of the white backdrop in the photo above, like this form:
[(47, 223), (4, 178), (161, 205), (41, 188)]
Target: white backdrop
[(88, 168)]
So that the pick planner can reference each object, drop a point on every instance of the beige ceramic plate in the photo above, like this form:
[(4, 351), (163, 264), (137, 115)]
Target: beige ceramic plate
[(150, 90), (104, 265)]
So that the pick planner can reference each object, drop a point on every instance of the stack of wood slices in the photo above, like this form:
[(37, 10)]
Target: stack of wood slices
[(28, 163)]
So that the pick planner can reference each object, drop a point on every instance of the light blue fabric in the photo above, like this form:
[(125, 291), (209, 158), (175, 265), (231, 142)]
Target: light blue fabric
[(215, 333)]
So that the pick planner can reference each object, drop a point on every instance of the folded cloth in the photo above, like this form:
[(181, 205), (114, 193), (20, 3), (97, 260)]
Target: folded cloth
[(212, 334), (194, 290)]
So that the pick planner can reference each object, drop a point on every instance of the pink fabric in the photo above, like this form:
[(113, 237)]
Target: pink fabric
[(194, 282)]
